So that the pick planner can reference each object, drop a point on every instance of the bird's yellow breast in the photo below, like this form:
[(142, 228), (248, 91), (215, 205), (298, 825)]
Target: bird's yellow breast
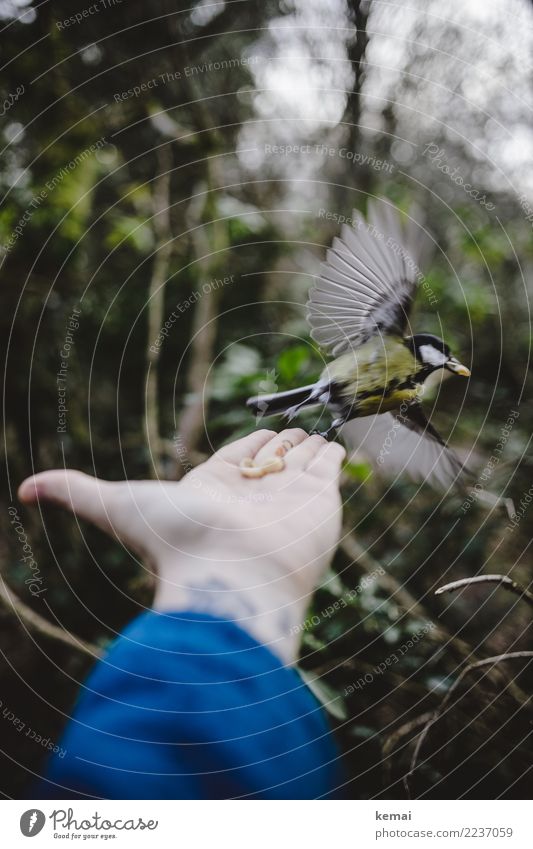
[(373, 378)]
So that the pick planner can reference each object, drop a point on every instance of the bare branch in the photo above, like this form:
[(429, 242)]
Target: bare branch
[(356, 48), (404, 730), (504, 581), (156, 302), (38, 623), (397, 735), (194, 458), (201, 358), (460, 649), (488, 661), (209, 241), (403, 597)]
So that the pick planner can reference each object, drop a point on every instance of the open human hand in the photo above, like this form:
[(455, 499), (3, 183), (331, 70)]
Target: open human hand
[(252, 549)]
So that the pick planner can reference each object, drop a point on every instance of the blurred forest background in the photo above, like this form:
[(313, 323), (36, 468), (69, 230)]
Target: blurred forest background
[(196, 159)]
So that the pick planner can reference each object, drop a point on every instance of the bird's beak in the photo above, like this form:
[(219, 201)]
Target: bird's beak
[(458, 368)]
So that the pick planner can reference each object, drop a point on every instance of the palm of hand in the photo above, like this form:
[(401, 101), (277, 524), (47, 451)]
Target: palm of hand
[(288, 520)]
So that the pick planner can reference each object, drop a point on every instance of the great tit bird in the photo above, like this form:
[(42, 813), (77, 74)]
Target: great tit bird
[(359, 312)]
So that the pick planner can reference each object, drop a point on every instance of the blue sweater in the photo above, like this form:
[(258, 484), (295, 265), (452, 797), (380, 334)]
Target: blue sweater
[(187, 706)]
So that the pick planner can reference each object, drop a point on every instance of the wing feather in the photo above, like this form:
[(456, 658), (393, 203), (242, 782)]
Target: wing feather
[(396, 444), (369, 279)]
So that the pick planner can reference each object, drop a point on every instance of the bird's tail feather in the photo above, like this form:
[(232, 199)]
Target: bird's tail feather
[(282, 402)]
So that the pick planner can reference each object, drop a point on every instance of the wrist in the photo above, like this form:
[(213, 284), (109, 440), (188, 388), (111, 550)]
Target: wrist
[(262, 599)]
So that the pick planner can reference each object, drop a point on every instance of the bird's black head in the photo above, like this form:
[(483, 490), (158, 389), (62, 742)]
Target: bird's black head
[(433, 353)]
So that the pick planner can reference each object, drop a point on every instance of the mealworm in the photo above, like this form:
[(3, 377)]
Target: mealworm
[(250, 470)]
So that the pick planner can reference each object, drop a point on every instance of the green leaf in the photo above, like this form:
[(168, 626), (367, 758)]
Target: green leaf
[(358, 471), (133, 230), (291, 362)]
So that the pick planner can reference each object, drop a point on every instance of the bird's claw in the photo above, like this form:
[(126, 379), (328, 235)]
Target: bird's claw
[(325, 434)]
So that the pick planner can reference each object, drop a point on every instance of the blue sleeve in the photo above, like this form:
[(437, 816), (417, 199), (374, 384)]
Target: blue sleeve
[(187, 706)]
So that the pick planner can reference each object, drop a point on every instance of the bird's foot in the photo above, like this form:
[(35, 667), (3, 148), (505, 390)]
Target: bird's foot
[(331, 432), (326, 434)]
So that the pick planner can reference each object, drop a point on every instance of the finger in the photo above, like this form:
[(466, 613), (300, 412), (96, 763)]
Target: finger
[(248, 446), (298, 458), (87, 497), (327, 462), (292, 436)]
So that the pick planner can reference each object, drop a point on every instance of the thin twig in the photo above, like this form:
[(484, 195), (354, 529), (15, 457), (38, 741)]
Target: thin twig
[(355, 551), (333, 665), (488, 661), (38, 623), (404, 730), (460, 649), (398, 735), (503, 580)]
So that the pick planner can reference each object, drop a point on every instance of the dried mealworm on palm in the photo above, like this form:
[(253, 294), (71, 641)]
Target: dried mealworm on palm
[(249, 469), (274, 464)]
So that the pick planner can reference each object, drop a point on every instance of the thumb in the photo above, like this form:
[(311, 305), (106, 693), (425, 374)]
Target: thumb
[(87, 497)]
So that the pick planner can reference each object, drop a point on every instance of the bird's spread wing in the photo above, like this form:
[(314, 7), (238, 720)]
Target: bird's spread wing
[(369, 279), (396, 443)]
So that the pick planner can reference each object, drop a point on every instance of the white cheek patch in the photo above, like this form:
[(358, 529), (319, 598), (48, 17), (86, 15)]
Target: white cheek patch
[(432, 356)]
